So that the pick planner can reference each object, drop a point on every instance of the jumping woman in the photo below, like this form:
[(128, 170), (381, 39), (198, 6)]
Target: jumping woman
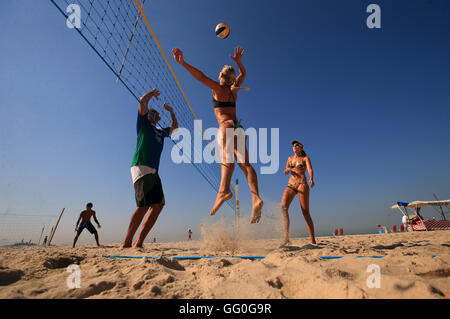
[(224, 96)]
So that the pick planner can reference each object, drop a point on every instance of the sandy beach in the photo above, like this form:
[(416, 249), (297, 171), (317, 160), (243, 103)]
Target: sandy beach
[(413, 265)]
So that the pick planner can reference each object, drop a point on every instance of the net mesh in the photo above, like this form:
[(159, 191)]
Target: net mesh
[(119, 35)]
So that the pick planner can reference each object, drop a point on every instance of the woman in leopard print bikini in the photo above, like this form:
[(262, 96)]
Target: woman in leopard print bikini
[(297, 166)]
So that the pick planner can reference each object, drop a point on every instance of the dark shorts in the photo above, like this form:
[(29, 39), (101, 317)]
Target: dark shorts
[(88, 226), (148, 191)]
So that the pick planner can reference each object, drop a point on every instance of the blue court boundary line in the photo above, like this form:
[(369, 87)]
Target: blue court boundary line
[(241, 257)]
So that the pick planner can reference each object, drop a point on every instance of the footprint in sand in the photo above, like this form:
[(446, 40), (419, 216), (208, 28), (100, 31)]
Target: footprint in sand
[(61, 262), (94, 289), (10, 276), (439, 273), (170, 263), (333, 272), (275, 283)]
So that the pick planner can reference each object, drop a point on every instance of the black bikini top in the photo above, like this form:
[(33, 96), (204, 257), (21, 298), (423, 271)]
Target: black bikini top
[(224, 104)]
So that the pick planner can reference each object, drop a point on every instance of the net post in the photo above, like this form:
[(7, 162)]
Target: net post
[(54, 228), (40, 237)]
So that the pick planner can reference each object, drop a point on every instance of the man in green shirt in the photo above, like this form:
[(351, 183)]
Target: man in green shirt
[(144, 169)]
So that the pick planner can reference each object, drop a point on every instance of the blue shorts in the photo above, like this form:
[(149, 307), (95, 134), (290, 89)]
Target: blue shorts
[(88, 226)]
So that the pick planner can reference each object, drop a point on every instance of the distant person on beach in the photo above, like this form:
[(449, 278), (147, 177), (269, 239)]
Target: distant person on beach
[(405, 222), (45, 241), (224, 96), (297, 166), (85, 218), (189, 234), (144, 169)]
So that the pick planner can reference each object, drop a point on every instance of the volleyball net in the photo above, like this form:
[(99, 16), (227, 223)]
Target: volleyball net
[(120, 34)]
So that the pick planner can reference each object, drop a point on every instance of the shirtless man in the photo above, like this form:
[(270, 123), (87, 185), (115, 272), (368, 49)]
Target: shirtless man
[(85, 218)]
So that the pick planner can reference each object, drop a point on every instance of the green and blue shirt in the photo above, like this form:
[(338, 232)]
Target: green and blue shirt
[(150, 143)]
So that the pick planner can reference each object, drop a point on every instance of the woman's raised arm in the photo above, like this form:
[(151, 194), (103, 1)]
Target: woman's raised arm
[(196, 73), (238, 53)]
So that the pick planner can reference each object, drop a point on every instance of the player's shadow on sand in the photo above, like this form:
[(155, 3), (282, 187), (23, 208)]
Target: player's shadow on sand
[(388, 247), (172, 249), (302, 248), (408, 245), (101, 246)]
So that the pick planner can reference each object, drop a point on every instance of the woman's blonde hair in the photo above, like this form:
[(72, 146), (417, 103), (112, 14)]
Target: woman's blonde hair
[(229, 76)]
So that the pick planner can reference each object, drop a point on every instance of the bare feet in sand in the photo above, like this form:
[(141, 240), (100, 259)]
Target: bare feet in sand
[(256, 211), (286, 242), (123, 246), (220, 199), (137, 245)]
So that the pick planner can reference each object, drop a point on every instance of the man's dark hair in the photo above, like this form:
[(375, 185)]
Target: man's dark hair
[(89, 205)]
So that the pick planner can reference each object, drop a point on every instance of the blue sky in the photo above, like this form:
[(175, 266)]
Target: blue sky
[(371, 107)]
